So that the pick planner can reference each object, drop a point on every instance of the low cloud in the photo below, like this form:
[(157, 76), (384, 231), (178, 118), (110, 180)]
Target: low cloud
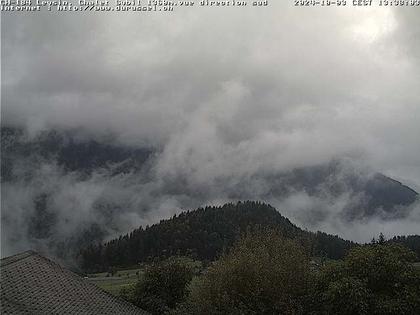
[(224, 97)]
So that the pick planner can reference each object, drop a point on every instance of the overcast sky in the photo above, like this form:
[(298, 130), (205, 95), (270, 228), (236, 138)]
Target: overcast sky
[(274, 87)]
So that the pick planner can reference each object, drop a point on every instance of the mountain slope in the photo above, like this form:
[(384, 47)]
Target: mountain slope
[(367, 194), (67, 151)]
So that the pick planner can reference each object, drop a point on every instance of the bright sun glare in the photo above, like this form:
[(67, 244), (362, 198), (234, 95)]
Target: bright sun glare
[(371, 25)]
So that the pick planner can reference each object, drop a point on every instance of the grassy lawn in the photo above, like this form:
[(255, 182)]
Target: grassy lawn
[(114, 284)]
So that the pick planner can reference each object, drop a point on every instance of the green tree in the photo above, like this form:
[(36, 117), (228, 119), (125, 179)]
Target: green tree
[(262, 274), (372, 279), (163, 285)]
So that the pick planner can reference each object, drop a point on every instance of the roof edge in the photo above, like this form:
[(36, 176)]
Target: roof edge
[(14, 258)]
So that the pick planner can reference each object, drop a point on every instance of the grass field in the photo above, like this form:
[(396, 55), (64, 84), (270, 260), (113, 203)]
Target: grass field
[(114, 284)]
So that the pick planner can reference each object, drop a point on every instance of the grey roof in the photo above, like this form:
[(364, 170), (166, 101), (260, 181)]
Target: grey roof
[(32, 284)]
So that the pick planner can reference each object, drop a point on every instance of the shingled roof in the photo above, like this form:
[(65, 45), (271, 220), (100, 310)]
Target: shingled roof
[(33, 284)]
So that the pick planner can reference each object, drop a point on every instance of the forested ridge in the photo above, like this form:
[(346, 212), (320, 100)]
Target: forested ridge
[(204, 234)]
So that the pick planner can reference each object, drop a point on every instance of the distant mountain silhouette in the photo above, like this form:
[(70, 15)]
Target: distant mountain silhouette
[(366, 195)]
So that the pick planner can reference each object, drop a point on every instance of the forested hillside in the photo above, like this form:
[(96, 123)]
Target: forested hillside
[(204, 234)]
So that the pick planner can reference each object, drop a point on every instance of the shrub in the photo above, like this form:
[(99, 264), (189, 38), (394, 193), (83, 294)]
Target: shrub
[(163, 285)]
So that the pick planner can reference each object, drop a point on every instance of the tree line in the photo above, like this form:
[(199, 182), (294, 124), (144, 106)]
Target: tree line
[(265, 273)]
